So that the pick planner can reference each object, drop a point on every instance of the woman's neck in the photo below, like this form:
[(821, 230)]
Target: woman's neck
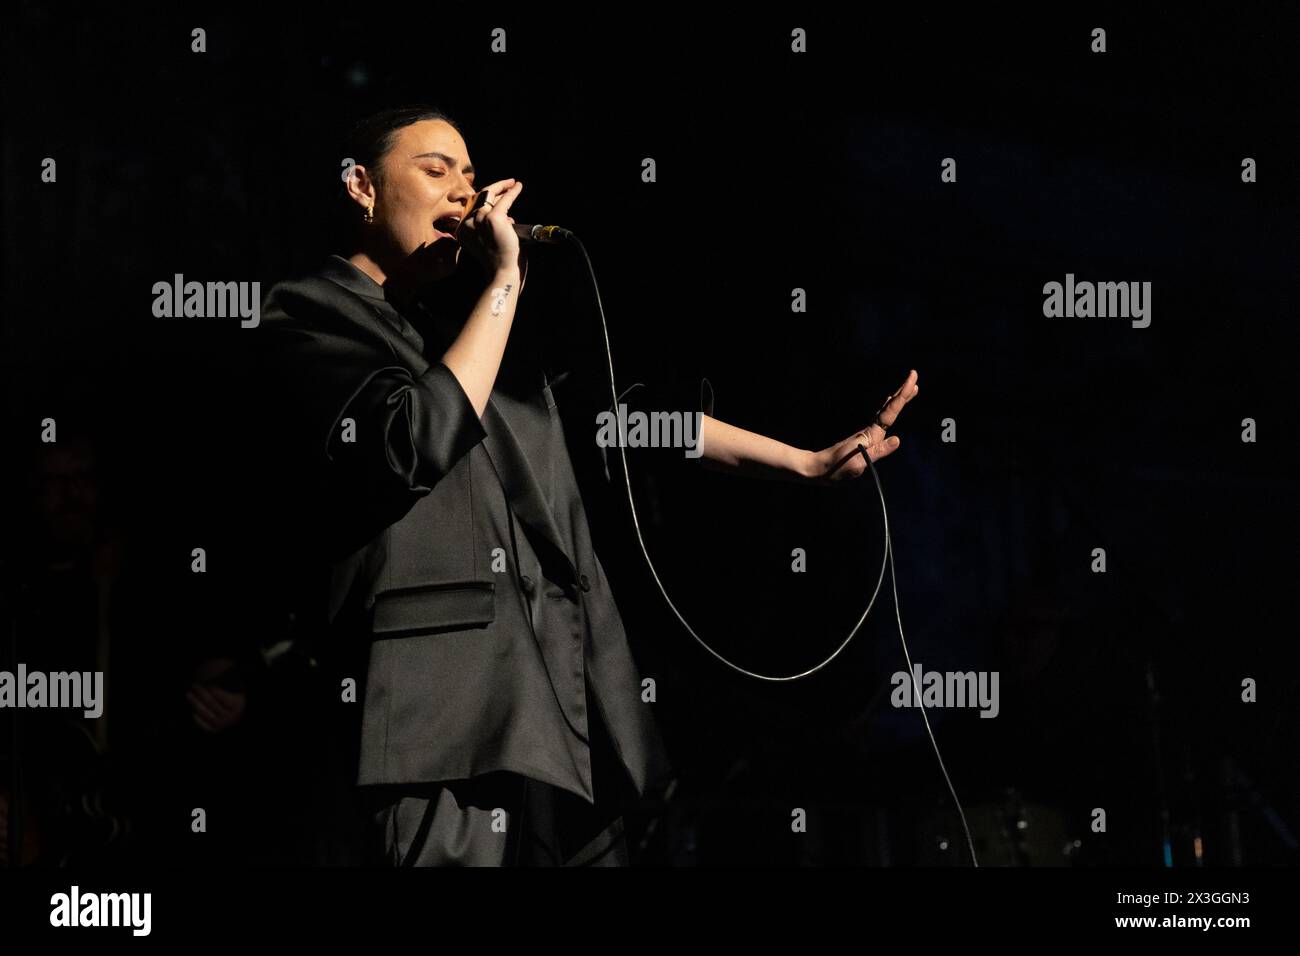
[(396, 284), (369, 266)]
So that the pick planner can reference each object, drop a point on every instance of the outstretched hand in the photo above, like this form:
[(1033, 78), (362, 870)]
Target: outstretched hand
[(843, 461)]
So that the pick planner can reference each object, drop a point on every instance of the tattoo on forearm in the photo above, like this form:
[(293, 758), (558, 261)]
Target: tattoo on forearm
[(499, 297)]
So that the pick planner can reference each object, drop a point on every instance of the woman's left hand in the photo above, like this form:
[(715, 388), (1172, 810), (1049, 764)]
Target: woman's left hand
[(843, 460)]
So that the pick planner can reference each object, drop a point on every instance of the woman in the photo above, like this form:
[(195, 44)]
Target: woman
[(502, 714)]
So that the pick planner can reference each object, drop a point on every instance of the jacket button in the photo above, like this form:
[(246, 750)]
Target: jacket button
[(582, 580), (527, 583)]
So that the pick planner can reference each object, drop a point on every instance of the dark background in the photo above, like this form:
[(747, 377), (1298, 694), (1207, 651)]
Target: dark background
[(775, 171)]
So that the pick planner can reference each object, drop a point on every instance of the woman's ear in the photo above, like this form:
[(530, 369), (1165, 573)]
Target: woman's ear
[(360, 187)]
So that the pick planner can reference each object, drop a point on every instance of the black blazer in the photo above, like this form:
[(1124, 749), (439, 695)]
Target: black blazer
[(483, 609)]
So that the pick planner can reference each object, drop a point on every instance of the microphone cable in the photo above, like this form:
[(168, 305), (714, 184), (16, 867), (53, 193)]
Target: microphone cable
[(887, 558)]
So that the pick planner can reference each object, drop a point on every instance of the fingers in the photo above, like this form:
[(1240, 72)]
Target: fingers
[(492, 193), (499, 195), (227, 701), (507, 198), (481, 213), (889, 411), (883, 449), (203, 706), (213, 708), (488, 194), (849, 463)]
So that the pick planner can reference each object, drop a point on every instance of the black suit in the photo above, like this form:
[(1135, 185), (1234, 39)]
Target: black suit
[(459, 551)]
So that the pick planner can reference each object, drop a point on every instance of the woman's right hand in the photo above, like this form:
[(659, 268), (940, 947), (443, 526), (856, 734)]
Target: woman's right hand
[(487, 231)]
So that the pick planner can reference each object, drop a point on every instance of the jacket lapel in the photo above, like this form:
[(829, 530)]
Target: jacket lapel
[(524, 490)]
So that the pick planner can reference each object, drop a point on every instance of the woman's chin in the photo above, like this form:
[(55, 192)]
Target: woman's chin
[(440, 260)]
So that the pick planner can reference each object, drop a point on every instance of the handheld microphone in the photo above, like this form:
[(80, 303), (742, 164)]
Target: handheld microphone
[(529, 233)]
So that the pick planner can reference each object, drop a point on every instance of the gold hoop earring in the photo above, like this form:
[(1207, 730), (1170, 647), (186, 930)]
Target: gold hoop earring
[(370, 215)]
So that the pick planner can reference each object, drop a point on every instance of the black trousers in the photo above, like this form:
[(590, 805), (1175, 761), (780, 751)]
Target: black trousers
[(505, 819)]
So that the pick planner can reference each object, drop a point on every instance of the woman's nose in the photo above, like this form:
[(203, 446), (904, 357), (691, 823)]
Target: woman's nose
[(465, 192)]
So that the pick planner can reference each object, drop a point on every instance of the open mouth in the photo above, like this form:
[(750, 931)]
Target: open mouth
[(446, 227)]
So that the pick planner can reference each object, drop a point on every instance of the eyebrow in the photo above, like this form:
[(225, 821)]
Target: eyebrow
[(469, 170)]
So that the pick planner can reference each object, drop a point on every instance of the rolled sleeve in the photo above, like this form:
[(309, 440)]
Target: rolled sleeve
[(444, 425), (409, 431)]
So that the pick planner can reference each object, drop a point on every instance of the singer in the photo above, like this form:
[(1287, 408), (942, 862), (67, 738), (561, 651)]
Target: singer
[(501, 720)]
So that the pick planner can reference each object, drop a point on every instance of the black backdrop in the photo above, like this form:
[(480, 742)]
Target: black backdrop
[(775, 171)]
